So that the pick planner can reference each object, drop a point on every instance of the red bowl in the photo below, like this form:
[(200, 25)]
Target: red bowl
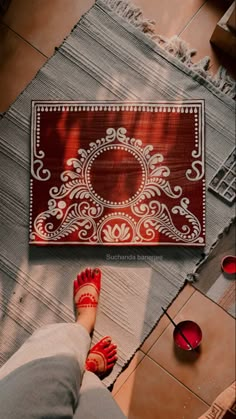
[(228, 264), (191, 331)]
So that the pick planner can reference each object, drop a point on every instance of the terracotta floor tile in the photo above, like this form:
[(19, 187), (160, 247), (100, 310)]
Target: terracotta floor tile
[(51, 21), (127, 372), (164, 322), (45, 23), (199, 31), (151, 393), (171, 16), (213, 369), (19, 63)]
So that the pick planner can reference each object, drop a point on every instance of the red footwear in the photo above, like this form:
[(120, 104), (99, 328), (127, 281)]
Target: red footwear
[(102, 357), (90, 278)]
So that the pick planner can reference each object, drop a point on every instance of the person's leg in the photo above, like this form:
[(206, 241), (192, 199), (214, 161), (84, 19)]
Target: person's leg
[(45, 374), (64, 338), (86, 294), (95, 401), (70, 339), (103, 355), (40, 389)]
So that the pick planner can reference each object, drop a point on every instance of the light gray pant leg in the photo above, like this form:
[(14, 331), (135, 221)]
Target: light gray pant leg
[(45, 388), (56, 339), (43, 378), (95, 401)]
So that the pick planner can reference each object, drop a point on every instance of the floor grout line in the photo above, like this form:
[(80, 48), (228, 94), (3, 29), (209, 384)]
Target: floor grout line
[(146, 354), (192, 18), (169, 321), (180, 382), (25, 40), (216, 303), (130, 372)]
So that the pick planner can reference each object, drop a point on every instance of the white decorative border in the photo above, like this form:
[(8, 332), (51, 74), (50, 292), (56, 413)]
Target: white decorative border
[(31, 206), (195, 173), (37, 155), (197, 170)]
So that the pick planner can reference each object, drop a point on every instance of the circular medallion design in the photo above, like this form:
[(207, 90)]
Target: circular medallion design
[(113, 172)]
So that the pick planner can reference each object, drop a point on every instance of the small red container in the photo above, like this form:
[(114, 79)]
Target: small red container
[(191, 331), (228, 264)]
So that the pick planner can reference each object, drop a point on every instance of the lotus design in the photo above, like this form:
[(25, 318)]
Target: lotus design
[(116, 233)]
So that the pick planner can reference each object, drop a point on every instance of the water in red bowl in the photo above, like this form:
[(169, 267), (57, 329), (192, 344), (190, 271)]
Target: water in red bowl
[(191, 331)]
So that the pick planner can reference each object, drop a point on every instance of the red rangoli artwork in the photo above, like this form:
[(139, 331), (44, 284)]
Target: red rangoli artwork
[(117, 173)]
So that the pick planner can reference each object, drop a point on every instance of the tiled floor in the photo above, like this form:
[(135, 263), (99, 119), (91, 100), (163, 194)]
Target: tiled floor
[(30, 31), (163, 382), (160, 383)]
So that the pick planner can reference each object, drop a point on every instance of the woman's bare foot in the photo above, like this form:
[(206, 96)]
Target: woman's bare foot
[(102, 357), (86, 293)]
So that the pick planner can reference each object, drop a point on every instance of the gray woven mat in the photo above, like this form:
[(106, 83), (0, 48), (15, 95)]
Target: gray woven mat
[(105, 57), (212, 281)]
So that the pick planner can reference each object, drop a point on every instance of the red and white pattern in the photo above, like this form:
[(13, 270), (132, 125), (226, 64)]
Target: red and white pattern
[(117, 174)]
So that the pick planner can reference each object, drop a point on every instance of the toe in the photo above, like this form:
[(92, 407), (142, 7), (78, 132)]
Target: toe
[(110, 366), (88, 273), (106, 341), (105, 344), (96, 276), (96, 273), (112, 360), (111, 354), (79, 279), (112, 347), (102, 344)]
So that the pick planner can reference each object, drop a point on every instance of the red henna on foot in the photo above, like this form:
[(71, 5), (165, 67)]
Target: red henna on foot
[(88, 278), (102, 357)]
